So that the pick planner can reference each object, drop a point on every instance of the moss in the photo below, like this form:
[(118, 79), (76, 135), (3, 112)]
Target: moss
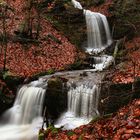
[(41, 136), (6, 97), (50, 36), (76, 65), (98, 2), (12, 81), (43, 73), (121, 87), (123, 30), (55, 83), (114, 96), (88, 3), (70, 133)]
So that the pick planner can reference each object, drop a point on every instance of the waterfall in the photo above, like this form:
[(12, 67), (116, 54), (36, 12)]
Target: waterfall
[(83, 101), (77, 4), (24, 118), (98, 36), (82, 105), (98, 32), (28, 105)]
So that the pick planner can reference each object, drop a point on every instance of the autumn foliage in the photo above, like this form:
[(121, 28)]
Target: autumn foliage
[(28, 58), (131, 67), (103, 8)]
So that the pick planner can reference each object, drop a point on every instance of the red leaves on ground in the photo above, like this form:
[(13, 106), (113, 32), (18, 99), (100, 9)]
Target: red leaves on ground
[(104, 8), (132, 65), (123, 125), (26, 60)]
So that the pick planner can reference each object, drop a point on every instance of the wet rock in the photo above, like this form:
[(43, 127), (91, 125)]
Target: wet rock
[(56, 97), (69, 20), (6, 97), (113, 96)]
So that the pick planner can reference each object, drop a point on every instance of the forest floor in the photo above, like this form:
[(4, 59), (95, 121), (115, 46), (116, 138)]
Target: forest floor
[(53, 52)]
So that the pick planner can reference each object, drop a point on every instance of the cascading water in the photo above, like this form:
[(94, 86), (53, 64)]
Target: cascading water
[(24, 118), (83, 98), (82, 105), (97, 31), (83, 101), (98, 36), (77, 4)]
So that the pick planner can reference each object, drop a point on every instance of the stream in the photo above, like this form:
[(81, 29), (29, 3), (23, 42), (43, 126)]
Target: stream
[(24, 119)]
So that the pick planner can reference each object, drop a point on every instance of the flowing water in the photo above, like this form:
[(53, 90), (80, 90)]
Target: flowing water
[(98, 36), (83, 98), (22, 121), (82, 106), (98, 32), (77, 4)]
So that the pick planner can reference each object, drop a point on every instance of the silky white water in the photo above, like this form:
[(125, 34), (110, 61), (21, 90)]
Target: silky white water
[(23, 120), (98, 37), (103, 62), (98, 32), (77, 4), (82, 106)]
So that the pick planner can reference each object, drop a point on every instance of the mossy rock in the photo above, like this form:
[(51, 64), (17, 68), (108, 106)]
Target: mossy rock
[(55, 82), (113, 96), (56, 97), (120, 87), (13, 82), (122, 30)]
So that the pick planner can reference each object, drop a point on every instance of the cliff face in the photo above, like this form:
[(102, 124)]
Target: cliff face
[(69, 21)]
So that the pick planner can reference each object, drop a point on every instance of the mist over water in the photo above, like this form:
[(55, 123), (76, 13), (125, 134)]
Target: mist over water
[(82, 105), (23, 120), (83, 99)]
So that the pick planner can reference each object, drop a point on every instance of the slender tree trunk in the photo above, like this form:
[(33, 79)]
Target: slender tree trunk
[(4, 13), (38, 20)]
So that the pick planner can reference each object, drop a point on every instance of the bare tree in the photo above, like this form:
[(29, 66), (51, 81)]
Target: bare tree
[(4, 9)]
